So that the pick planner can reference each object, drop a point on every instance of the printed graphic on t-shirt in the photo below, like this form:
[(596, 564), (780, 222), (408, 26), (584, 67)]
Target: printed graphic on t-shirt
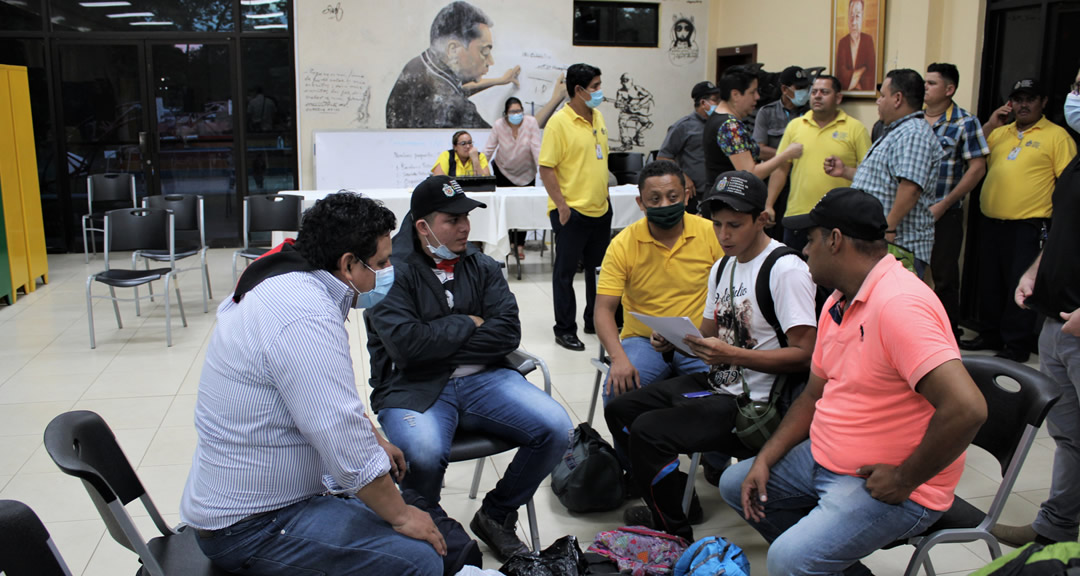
[(733, 326)]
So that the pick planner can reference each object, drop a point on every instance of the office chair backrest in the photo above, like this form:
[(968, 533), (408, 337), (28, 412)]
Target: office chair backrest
[(138, 229), (26, 549), (110, 189), (185, 208), (270, 212), (631, 162), (1010, 409)]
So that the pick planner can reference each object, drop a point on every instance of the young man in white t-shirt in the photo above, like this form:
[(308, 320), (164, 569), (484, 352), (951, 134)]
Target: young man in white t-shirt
[(696, 413)]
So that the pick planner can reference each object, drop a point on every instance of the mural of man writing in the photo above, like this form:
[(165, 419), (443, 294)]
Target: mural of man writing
[(433, 88)]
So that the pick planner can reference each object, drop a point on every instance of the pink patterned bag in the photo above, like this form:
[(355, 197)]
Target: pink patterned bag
[(639, 550)]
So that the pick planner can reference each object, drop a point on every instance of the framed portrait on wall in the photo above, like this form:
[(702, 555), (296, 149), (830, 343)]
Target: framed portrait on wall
[(858, 45)]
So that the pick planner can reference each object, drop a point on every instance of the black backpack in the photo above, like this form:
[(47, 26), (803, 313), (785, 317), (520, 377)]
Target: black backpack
[(792, 384), (589, 477)]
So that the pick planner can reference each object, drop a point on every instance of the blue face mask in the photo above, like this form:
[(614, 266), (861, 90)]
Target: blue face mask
[(801, 97), (595, 99), (712, 108), (1072, 111), (442, 252), (516, 119), (384, 279)]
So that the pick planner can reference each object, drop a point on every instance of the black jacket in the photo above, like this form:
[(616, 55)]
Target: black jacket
[(416, 340)]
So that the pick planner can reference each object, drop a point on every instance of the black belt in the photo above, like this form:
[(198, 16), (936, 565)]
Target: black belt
[(205, 534)]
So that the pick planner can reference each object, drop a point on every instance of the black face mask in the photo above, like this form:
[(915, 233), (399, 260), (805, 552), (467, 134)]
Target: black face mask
[(666, 217)]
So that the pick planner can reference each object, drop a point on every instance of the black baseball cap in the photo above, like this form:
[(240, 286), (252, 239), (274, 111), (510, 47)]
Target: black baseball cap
[(739, 189), (441, 194), (794, 76), (703, 90), (1027, 85), (854, 212)]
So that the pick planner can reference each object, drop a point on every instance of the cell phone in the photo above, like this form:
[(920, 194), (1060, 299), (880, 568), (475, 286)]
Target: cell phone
[(700, 394)]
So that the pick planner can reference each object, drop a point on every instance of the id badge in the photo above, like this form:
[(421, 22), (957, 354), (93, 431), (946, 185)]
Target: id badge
[(1015, 152), (599, 153)]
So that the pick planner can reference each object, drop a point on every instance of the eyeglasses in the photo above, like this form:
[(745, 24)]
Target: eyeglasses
[(464, 143)]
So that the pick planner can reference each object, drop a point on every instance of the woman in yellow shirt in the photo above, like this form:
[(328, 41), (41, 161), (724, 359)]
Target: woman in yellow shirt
[(463, 159)]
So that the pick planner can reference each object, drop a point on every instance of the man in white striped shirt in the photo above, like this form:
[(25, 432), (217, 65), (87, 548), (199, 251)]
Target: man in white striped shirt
[(289, 476)]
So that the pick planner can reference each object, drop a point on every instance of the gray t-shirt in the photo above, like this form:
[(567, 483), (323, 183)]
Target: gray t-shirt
[(683, 143), (771, 121)]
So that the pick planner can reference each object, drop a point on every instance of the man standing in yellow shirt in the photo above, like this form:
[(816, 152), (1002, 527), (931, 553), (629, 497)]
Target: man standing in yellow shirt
[(573, 167), (1026, 158), (657, 266), (824, 131)]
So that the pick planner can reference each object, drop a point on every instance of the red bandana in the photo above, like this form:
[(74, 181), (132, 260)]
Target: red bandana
[(447, 265)]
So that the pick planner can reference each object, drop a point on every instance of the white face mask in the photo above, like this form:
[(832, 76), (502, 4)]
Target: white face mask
[(1072, 111), (442, 252), (384, 279)]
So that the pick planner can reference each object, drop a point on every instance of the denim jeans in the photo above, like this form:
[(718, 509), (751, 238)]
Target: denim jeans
[(651, 366), (499, 401), (819, 522), (319, 536), (1059, 357)]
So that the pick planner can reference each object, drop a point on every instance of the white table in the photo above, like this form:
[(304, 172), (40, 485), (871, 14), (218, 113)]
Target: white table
[(523, 208)]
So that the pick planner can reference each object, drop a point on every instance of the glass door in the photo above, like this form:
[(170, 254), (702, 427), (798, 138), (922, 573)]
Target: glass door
[(191, 90)]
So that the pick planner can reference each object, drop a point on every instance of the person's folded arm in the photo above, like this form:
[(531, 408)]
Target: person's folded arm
[(500, 334), (410, 339)]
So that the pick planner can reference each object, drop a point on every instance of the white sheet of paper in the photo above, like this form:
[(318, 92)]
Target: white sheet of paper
[(672, 328)]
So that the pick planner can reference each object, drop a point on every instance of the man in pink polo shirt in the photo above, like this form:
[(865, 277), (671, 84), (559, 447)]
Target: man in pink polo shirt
[(873, 449)]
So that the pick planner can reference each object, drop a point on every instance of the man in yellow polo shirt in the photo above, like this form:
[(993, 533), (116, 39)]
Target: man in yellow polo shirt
[(657, 266), (573, 167), (824, 131), (1026, 158)]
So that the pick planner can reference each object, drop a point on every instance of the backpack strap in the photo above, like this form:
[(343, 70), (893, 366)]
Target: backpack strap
[(720, 270), (763, 292), (453, 164)]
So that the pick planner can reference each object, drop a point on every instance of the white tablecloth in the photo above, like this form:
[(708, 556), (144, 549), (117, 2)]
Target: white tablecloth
[(507, 209)]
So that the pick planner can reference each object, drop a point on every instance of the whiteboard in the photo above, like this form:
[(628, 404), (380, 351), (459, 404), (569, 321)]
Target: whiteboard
[(365, 159)]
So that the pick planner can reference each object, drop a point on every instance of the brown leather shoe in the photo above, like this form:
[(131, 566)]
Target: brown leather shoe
[(1015, 536)]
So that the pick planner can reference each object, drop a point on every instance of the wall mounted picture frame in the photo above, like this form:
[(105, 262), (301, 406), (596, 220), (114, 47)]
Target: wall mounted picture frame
[(858, 46)]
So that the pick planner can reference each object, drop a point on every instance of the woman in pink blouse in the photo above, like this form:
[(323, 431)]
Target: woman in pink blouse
[(514, 148)]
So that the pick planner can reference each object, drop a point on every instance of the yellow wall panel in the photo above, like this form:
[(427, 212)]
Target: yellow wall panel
[(26, 152), (11, 186)]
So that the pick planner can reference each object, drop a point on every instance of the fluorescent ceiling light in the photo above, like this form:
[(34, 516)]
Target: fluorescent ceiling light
[(103, 4), (257, 2), (159, 23), (264, 16), (131, 15), (270, 26)]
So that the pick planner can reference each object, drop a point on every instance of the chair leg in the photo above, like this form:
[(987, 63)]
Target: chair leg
[(116, 307), (85, 245), (90, 311), (476, 478), (595, 396), (168, 314), (688, 494), (149, 286), (234, 269), (205, 285), (180, 302), (534, 532)]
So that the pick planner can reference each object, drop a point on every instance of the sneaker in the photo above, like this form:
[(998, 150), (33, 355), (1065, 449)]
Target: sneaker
[(500, 538)]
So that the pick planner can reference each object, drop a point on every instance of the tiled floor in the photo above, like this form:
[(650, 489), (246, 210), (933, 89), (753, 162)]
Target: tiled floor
[(146, 392)]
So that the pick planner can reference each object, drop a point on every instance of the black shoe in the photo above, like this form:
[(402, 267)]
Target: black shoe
[(589, 329), (1014, 354), (980, 343), (570, 342), (501, 538), (639, 516)]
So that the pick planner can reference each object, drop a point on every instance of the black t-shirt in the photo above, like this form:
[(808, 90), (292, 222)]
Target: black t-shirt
[(1057, 284), (716, 162)]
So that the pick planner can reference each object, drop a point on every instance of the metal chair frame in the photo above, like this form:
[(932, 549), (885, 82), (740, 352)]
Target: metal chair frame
[(110, 191), (267, 213), (187, 218)]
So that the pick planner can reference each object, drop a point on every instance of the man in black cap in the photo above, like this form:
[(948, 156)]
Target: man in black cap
[(747, 351), (873, 448), (438, 344), (683, 141), (773, 117), (1026, 159)]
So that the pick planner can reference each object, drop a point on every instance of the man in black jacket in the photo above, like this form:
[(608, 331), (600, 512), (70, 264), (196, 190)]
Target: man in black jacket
[(438, 344)]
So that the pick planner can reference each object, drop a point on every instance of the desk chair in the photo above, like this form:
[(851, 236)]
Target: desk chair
[(1015, 411), (626, 166), (82, 445), (267, 213), (137, 229), (188, 215), (26, 548), (105, 192)]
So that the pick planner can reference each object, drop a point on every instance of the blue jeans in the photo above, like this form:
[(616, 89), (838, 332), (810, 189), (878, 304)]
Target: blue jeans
[(499, 401), (651, 366), (1059, 357), (819, 522), (318, 536)]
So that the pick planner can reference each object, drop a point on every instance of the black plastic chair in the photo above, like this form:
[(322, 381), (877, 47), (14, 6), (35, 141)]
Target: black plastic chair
[(267, 213), (26, 549), (470, 445), (1014, 415), (136, 229), (188, 216), (626, 166), (104, 192), (82, 445)]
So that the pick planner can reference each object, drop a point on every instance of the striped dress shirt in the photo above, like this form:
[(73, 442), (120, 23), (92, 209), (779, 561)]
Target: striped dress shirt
[(278, 415)]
